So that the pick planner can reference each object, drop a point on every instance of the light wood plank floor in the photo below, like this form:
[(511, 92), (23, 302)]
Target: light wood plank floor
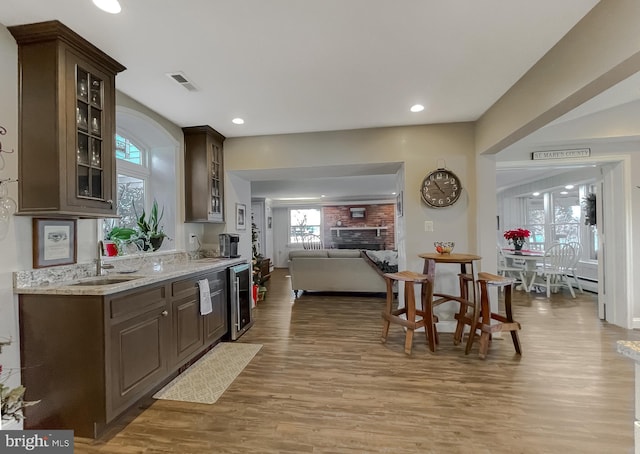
[(323, 383)]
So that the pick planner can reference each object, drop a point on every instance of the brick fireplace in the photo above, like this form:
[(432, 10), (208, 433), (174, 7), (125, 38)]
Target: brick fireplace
[(374, 230)]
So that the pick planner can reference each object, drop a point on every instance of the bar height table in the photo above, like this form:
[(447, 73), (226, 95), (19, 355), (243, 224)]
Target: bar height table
[(468, 275)]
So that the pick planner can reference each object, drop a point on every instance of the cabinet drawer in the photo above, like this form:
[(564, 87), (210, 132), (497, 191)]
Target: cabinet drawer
[(138, 301), (188, 287)]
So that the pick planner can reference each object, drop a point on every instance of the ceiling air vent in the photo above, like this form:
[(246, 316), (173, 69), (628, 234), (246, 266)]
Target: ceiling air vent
[(180, 78)]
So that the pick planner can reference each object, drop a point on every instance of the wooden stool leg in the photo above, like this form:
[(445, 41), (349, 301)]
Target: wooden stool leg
[(509, 312), (481, 317), (410, 304), (429, 321), (386, 322), (462, 312)]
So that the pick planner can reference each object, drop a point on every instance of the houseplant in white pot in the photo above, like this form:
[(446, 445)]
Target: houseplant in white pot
[(150, 230)]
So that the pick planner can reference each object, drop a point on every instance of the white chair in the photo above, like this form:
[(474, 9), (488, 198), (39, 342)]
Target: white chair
[(555, 266), (573, 269), (311, 241), (514, 270)]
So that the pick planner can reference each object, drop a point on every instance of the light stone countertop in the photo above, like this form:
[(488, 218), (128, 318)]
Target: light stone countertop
[(70, 284), (630, 349)]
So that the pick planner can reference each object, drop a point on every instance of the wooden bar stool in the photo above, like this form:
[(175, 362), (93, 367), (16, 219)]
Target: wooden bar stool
[(482, 321), (427, 321)]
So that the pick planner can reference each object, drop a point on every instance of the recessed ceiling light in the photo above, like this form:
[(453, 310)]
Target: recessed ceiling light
[(417, 108), (564, 192), (536, 194), (569, 186), (237, 121), (110, 6)]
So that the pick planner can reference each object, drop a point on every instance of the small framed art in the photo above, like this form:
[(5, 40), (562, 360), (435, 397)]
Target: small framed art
[(54, 242), (241, 216), (399, 207)]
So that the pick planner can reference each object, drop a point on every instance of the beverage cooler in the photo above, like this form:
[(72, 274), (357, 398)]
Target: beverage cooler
[(240, 302)]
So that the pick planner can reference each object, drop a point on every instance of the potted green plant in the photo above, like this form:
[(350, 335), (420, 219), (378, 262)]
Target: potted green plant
[(256, 259), (12, 403), (149, 229), (116, 236)]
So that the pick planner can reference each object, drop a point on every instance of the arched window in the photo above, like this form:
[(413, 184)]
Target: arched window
[(146, 162), (133, 173), (132, 181)]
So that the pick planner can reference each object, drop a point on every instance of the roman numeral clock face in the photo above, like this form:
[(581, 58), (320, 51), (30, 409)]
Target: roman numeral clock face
[(441, 188)]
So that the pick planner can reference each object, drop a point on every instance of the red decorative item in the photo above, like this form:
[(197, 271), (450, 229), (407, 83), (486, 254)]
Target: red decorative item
[(517, 237), (517, 233), (110, 249)]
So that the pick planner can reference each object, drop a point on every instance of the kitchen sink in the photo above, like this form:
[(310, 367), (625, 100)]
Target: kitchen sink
[(105, 281)]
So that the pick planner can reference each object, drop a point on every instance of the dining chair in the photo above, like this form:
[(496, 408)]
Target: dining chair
[(555, 267), (514, 269), (311, 241), (573, 269)]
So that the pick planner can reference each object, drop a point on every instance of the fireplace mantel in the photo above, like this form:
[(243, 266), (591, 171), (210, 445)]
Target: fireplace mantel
[(339, 229)]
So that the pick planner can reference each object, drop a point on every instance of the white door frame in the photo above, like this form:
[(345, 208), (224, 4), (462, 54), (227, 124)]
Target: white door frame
[(615, 265)]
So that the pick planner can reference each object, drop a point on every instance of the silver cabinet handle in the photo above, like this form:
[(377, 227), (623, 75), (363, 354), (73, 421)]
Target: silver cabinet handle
[(110, 202), (164, 313), (237, 292)]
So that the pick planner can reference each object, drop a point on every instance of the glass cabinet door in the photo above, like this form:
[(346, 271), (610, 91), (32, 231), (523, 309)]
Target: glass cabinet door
[(216, 208), (89, 125)]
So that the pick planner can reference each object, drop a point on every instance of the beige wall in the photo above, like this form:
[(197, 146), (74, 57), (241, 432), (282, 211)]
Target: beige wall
[(600, 51), (420, 148)]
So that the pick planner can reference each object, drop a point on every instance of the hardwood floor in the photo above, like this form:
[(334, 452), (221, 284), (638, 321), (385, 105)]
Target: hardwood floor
[(324, 383)]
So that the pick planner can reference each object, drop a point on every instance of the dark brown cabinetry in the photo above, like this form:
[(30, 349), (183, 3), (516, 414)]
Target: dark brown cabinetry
[(191, 331), (139, 338), (67, 123), (204, 174), (89, 358)]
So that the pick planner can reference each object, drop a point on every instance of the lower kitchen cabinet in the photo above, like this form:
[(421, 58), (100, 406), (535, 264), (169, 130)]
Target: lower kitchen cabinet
[(138, 341), (192, 331), (89, 358), (216, 323)]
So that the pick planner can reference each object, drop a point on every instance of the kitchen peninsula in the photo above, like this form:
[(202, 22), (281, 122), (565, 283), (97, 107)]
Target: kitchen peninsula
[(92, 346)]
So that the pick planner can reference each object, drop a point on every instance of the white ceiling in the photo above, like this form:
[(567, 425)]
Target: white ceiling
[(289, 66)]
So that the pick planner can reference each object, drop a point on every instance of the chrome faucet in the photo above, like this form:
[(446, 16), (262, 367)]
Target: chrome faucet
[(99, 265)]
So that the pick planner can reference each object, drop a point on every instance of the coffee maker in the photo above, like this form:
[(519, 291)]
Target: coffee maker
[(229, 245)]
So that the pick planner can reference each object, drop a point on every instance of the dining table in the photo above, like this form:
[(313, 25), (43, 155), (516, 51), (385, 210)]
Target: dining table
[(530, 258)]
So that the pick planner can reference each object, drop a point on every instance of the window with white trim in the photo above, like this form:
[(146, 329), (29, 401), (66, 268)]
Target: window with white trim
[(132, 181), (302, 222)]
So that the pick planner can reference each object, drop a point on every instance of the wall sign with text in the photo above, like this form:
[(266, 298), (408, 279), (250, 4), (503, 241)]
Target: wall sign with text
[(561, 154)]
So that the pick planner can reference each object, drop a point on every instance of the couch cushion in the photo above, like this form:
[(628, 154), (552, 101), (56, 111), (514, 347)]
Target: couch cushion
[(344, 253), (307, 253)]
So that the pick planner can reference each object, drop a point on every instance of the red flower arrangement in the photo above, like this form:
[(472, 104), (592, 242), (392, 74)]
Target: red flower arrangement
[(517, 234)]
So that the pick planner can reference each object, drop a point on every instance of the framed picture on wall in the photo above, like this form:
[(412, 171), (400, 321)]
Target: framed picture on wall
[(399, 207), (241, 216), (54, 242)]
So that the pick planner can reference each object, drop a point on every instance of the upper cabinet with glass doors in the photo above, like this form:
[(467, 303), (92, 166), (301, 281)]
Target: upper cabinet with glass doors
[(204, 174), (67, 117)]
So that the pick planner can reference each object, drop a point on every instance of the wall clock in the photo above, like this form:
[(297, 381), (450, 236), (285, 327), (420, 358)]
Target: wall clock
[(441, 188)]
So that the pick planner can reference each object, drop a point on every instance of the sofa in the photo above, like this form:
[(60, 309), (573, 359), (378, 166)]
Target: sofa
[(340, 270)]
